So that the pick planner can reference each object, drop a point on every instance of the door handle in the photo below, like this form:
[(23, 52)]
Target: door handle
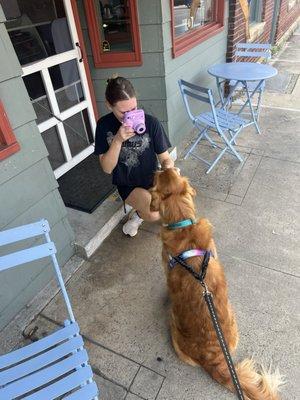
[(79, 51)]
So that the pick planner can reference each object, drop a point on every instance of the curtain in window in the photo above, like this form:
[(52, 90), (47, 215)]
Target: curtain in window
[(245, 5)]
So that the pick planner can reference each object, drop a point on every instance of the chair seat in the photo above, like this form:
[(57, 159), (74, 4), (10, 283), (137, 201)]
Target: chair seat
[(251, 85), (54, 366), (226, 120)]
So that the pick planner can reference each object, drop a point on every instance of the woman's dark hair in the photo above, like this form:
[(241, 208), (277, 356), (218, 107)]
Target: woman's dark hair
[(118, 89)]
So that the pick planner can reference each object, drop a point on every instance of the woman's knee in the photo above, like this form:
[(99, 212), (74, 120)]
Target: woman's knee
[(149, 216)]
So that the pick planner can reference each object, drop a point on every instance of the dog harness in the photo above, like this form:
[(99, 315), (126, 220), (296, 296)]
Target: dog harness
[(191, 253)]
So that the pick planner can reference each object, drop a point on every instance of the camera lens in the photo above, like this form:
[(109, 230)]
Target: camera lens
[(140, 129)]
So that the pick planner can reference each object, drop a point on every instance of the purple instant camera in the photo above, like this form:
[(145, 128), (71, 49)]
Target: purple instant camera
[(136, 120)]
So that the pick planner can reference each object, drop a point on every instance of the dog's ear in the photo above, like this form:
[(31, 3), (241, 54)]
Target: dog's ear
[(155, 194), (191, 190), (155, 200)]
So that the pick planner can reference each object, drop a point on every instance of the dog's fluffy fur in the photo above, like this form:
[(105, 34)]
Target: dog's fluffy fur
[(193, 336)]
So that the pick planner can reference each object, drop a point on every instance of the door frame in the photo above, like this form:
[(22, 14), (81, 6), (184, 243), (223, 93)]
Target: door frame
[(78, 53)]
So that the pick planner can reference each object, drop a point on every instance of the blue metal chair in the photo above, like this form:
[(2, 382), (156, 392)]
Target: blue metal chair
[(55, 366), (252, 52), (226, 124)]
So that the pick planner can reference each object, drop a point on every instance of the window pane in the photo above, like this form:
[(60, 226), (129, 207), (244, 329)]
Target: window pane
[(52, 142), (37, 93), (79, 132), (37, 28), (255, 11), (115, 25), (188, 16), (66, 82)]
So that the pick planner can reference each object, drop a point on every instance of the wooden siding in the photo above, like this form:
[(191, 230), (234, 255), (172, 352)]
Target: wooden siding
[(28, 189), (191, 66)]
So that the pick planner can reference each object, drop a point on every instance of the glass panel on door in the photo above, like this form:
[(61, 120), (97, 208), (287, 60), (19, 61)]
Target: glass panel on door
[(52, 141), (66, 83), (37, 28), (39, 99), (79, 132)]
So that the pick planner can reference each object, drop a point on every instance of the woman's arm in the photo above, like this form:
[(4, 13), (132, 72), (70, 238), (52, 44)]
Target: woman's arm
[(165, 160), (110, 159)]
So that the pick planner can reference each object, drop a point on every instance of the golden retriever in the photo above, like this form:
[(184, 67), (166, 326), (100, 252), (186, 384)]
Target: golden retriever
[(193, 335)]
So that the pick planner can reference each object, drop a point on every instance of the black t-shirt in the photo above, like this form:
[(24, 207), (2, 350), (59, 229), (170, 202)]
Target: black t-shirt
[(137, 160)]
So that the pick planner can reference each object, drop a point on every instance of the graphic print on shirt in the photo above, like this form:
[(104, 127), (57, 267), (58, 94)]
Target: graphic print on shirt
[(132, 148)]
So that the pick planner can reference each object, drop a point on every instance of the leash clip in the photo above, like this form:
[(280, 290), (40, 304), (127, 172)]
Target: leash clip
[(172, 262)]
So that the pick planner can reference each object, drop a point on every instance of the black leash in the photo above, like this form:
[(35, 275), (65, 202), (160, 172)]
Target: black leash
[(211, 308)]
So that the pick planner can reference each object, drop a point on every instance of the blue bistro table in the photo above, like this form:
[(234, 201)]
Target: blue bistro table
[(242, 73)]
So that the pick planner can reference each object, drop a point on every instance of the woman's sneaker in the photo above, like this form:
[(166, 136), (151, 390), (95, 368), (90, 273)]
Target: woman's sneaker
[(132, 225)]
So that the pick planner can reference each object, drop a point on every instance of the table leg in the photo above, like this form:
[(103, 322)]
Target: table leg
[(219, 82), (250, 103), (225, 101), (252, 94)]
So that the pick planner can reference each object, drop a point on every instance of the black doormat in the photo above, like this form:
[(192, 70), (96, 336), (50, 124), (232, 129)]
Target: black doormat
[(85, 186)]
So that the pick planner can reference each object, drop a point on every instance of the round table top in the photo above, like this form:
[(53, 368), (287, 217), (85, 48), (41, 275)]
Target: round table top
[(242, 71)]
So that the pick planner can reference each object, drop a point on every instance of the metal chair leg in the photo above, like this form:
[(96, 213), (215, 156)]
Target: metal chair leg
[(201, 135), (258, 104)]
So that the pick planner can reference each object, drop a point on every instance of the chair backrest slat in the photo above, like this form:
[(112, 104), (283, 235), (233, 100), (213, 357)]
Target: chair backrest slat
[(26, 255), (266, 46), (24, 232), (87, 392), (45, 376), (43, 344), (72, 381), (196, 96), (193, 86), (256, 54), (253, 50), (41, 361)]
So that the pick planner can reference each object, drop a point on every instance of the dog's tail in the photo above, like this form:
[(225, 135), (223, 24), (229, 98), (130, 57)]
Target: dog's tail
[(256, 384)]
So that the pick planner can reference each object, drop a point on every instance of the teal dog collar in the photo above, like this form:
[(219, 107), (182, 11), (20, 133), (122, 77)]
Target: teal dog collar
[(180, 224)]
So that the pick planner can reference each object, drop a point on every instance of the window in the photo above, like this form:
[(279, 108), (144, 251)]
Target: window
[(255, 13), (8, 142), (114, 33), (194, 21), (37, 29)]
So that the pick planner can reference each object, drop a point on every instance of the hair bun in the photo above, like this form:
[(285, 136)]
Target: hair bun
[(111, 78)]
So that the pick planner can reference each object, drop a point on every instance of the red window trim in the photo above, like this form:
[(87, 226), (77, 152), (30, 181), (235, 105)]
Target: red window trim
[(188, 40), (113, 59), (8, 141)]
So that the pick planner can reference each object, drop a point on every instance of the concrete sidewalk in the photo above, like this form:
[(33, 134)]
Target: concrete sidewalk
[(119, 297)]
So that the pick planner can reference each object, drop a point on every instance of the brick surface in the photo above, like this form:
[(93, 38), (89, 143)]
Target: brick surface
[(237, 24)]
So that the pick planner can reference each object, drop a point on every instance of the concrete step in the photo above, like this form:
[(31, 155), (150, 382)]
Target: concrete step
[(92, 229)]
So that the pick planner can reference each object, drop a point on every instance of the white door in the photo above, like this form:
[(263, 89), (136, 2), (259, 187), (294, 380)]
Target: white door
[(44, 35)]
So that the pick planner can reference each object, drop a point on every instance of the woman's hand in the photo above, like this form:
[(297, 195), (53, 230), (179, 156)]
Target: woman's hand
[(109, 159), (165, 160), (124, 133)]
